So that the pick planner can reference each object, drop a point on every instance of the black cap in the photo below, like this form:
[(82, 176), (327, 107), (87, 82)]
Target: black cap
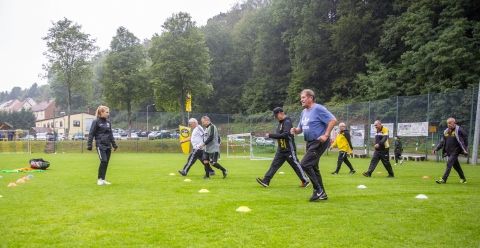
[(277, 110)]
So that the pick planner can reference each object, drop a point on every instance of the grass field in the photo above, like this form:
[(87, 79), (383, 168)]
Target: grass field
[(146, 207)]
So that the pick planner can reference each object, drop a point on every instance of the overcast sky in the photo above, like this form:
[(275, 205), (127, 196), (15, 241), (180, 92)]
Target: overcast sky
[(23, 23)]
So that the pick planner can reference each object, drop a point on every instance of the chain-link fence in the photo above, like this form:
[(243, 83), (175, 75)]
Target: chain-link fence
[(429, 111), (158, 131)]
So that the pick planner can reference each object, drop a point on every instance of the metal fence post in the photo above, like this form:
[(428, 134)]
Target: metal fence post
[(368, 130), (472, 97), (428, 123), (477, 130), (347, 115)]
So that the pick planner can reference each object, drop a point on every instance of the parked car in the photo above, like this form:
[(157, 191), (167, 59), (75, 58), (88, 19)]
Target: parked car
[(175, 135), (164, 135), (28, 137), (153, 135), (133, 136), (264, 141), (117, 136), (41, 136), (236, 139), (78, 136), (142, 134), (50, 137), (60, 136)]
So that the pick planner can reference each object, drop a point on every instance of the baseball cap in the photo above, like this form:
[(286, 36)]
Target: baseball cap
[(277, 110)]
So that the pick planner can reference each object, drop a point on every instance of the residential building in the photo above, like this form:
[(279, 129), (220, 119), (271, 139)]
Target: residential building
[(79, 123)]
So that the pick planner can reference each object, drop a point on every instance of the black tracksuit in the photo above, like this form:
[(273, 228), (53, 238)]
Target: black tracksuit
[(101, 130), (286, 151), (453, 143), (381, 154), (398, 150)]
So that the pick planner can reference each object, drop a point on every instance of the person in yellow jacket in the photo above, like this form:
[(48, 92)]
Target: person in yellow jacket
[(344, 144)]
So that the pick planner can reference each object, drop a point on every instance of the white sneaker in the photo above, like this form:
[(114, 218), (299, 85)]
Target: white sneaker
[(100, 182), (106, 182)]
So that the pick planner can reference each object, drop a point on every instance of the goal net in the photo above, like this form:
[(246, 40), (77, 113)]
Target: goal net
[(15, 141), (244, 145)]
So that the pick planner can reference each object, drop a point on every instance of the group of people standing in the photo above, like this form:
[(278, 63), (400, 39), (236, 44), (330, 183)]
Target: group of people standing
[(316, 123)]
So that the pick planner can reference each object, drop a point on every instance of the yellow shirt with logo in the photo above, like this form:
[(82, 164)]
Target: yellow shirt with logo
[(342, 143)]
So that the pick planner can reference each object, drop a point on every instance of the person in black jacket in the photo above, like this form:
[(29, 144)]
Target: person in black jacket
[(286, 150), (453, 143), (398, 150), (101, 130), (382, 147)]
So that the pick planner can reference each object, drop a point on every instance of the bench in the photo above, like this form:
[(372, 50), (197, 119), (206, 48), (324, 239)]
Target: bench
[(359, 155), (416, 157), (412, 157)]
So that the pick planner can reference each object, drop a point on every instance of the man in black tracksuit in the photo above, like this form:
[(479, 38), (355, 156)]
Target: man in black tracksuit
[(381, 151), (286, 150), (101, 130), (453, 143), (398, 150)]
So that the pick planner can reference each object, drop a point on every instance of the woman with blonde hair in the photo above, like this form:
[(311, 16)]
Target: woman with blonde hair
[(101, 130)]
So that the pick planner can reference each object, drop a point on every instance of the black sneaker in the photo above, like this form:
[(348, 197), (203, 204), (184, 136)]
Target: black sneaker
[(440, 181), (463, 180), (352, 172), (211, 173), (182, 173), (334, 173), (367, 174), (318, 195), (261, 182), (305, 184), (225, 173), (206, 177), (391, 175)]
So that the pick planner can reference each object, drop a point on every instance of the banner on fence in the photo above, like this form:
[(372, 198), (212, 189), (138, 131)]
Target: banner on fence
[(357, 133), (412, 129), (387, 125)]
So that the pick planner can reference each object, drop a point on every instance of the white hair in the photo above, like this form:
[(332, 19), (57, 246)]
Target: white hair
[(193, 120)]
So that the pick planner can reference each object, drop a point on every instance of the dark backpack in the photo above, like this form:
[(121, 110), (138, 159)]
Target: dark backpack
[(39, 163)]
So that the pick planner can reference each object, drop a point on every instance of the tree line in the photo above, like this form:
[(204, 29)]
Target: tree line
[(261, 53)]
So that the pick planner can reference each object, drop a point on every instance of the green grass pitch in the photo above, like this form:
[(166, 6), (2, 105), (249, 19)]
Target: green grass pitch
[(146, 207)]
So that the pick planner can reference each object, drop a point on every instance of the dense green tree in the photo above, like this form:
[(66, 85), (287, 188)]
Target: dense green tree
[(124, 78), (19, 120), (68, 54), (180, 63), (431, 46), (225, 70), (267, 86)]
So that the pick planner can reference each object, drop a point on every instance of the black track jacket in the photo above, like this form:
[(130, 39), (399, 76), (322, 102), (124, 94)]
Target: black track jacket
[(284, 138), (101, 130)]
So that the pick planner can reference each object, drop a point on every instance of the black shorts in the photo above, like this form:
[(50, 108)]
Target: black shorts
[(212, 157)]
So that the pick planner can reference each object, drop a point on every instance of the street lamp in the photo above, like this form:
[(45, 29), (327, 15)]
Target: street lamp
[(147, 113)]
